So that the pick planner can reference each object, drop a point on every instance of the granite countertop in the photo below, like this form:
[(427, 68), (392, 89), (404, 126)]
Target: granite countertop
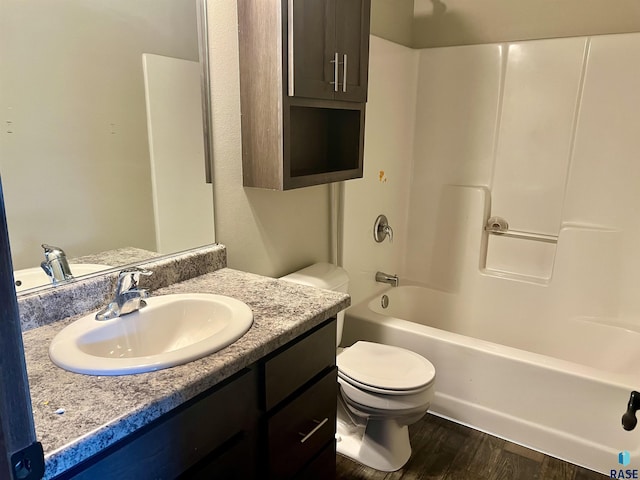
[(100, 410), (117, 257)]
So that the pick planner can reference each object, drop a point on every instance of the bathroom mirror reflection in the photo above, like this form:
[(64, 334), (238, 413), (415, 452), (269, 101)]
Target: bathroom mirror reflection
[(101, 146)]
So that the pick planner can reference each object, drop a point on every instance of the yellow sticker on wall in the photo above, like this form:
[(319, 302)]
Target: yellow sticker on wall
[(381, 176)]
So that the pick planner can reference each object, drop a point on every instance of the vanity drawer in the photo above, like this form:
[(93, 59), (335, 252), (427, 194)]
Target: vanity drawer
[(290, 369), (323, 467), (303, 427)]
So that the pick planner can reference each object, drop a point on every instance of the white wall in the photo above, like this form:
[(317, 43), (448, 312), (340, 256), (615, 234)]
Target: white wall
[(439, 23), (74, 154), (393, 20), (565, 112), (462, 22)]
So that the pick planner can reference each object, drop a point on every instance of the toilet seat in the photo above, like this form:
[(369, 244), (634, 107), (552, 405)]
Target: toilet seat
[(385, 369), (385, 405), (381, 391)]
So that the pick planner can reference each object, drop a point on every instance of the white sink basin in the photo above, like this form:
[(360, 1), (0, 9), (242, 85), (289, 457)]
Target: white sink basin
[(170, 330), (35, 277)]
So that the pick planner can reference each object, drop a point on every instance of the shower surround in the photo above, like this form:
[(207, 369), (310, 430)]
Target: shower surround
[(544, 134)]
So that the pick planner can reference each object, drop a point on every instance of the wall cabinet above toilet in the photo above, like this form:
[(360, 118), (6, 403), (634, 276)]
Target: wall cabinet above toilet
[(303, 84)]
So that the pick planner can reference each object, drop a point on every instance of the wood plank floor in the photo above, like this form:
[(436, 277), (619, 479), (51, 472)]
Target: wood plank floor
[(444, 450)]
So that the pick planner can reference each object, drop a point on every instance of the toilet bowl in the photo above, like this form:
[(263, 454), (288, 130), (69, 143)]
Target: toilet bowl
[(383, 388)]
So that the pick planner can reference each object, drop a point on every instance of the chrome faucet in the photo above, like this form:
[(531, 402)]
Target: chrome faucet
[(129, 297), (55, 264), (386, 278)]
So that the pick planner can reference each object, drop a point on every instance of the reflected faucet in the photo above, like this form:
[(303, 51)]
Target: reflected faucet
[(55, 264), (386, 278), (128, 297)]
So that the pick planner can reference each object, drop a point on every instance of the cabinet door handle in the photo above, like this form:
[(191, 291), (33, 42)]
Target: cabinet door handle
[(344, 74), (336, 64), (290, 46), (306, 436)]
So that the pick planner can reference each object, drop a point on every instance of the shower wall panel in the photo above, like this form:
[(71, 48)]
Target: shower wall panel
[(456, 120), (539, 102), (544, 133)]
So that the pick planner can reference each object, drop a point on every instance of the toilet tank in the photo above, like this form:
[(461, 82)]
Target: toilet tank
[(327, 276)]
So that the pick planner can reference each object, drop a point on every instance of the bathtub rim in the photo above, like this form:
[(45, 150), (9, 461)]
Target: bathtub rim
[(627, 381)]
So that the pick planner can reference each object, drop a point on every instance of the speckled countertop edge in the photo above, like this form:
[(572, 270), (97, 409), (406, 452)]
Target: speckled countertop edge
[(111, 259), (98, 411), (49, 305)]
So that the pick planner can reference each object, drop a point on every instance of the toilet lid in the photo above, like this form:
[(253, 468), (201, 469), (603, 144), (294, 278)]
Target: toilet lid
[(381, 391), (385, 367)]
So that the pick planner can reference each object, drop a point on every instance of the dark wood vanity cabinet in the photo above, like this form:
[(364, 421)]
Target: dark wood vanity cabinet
[(215, 432), (275, 419), (328, 49), (303, 88), (300, 398)]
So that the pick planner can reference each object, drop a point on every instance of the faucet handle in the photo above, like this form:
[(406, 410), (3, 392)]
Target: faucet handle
[(382, 229), (128, 297), (389, 232), (50, 250), (129, 278)]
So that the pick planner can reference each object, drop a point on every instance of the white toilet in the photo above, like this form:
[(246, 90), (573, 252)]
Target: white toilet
[(383, 388)]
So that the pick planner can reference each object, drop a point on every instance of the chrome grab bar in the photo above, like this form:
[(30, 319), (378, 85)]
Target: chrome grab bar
[(499, 226)]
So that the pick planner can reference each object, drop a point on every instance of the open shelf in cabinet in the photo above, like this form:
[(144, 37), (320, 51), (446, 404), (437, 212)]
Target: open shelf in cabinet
[(324, 143)]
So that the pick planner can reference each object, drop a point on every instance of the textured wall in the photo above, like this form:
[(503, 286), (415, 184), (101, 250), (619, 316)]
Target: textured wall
[(392, 20), (462, 22)]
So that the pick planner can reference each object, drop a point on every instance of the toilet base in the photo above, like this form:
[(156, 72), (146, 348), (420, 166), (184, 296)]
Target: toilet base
[(383, 444)]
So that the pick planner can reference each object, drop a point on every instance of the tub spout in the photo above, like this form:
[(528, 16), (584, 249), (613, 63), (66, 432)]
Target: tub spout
[(629, 420), (386, 278)]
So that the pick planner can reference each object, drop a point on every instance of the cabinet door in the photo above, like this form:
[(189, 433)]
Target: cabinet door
[(328, 45), (311, 44), (352, 43), (199, 431)]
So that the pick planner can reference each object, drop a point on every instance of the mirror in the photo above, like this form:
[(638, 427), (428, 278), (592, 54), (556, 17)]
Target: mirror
[(101, 142)]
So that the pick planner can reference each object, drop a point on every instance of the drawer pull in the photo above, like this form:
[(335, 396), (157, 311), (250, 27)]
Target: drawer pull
[(306, 436)]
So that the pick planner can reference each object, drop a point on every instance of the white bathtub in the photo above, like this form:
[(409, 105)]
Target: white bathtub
[(559, 387)]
